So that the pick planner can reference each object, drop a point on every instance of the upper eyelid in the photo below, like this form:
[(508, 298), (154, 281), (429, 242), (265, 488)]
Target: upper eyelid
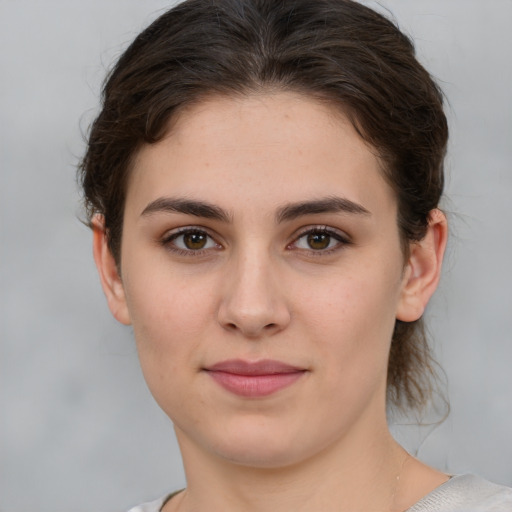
[(321, 228), (173, 233)]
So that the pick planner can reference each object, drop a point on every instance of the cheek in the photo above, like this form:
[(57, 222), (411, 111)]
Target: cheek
[(352, 321), (351, 333), (169, 319), (352, 301), (170, 314)]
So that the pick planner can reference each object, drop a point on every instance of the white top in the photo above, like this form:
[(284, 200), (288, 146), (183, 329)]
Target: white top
[(152, 506), (462, 493)]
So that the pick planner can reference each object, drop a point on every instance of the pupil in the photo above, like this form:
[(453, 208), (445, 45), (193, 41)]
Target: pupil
[(195, 240), (318, 241)]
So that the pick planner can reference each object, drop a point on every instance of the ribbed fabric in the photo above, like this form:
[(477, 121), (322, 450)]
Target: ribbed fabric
[(462, 493), (466, 493), (153, 506)]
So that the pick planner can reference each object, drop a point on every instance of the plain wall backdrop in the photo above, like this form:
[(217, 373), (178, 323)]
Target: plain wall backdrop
[(78, 429)]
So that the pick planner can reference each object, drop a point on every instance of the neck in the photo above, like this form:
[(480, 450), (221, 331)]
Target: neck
[(352, 474)]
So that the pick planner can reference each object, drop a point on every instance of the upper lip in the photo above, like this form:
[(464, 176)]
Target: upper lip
[(262, 367)]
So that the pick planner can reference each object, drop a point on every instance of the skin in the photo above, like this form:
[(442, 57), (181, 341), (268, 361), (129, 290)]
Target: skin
[(261, 289)]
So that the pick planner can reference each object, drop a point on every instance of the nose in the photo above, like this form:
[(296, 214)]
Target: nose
[(253, 301)]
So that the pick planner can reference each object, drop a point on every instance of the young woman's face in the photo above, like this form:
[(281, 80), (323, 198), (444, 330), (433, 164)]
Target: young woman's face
[(262, 271)]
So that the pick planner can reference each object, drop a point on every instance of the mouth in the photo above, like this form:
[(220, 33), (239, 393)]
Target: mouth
[(254, 379)]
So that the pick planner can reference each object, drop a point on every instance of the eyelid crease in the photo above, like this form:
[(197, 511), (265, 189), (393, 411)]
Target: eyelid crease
[(323, 228), (169, 234)]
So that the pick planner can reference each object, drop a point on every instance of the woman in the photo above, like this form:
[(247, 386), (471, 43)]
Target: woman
[(263, 183)]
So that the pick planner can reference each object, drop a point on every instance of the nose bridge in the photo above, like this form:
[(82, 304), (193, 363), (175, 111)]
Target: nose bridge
[(251, 301)]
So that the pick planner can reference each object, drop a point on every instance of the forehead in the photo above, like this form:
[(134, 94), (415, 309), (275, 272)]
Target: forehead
[(258, 150)]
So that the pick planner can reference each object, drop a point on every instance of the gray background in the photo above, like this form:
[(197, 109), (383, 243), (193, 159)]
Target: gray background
[(79, 431)]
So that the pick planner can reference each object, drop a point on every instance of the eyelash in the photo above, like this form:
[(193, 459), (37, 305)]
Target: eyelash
[(342, 240), (168, 242)]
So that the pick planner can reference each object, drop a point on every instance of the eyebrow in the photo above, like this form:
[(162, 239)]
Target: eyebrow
[(186, 206), (205, 210), (332, 204)]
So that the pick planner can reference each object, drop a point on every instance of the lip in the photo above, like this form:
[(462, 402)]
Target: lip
[(254, 379)]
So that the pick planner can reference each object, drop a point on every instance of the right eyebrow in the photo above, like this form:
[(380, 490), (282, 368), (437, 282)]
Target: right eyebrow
[(186, 206)]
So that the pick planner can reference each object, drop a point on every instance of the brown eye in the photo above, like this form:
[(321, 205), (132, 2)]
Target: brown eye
[(321, 240), (318, 241), (195, 241), (190, 241)]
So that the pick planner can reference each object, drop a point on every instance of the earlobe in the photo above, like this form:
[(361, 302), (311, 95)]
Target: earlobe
[(423, 269), (108, 272)]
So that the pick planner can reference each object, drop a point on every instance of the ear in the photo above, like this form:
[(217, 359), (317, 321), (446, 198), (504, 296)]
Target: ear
[(423, 269), (109, 275)]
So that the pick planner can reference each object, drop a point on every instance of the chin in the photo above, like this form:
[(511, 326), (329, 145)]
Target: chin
[(260, 456), (261, 446)]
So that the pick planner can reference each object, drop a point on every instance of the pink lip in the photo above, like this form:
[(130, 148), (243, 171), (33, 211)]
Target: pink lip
[(254, 379)]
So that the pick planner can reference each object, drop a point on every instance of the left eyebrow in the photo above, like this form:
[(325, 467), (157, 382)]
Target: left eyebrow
[(332, 204)]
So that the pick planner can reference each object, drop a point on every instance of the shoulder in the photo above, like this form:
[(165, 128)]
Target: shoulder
[(466, 493)]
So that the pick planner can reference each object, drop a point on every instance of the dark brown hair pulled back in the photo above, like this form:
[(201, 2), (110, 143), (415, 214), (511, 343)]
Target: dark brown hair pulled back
[(337, 51)]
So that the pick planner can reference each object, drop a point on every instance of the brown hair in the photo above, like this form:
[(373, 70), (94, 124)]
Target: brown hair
[(337, 51)]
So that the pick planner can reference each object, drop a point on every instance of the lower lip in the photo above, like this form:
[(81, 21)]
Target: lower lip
[(254, 386)]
